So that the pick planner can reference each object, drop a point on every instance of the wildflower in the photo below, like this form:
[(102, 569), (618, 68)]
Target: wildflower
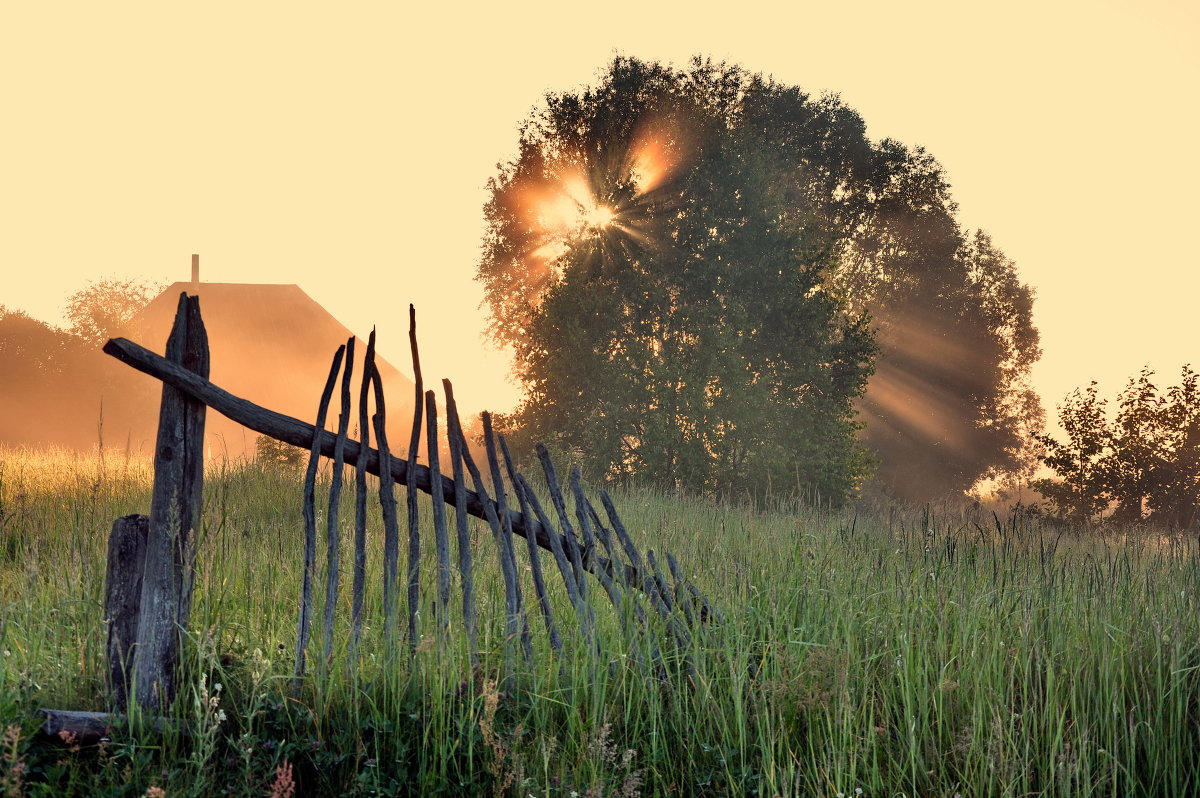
[(71, 739), (285, 785), (12, 772)]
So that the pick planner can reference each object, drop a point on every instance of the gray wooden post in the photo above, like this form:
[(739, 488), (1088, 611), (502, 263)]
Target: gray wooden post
[(122, 599), (174, 517)]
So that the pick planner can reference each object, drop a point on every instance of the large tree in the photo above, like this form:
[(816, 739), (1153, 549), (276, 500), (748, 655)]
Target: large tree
[(748, 182), (668, 323)]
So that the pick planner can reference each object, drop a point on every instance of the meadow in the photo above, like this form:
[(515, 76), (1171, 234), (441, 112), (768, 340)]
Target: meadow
[(871, 651)]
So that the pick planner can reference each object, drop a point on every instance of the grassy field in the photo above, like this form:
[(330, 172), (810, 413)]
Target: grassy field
[(881, 653)]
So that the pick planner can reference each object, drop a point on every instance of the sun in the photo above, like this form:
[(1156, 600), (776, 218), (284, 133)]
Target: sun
[(571, 208), (600, 216)]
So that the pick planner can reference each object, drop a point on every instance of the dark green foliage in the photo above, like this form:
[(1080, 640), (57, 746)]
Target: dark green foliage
[(1080, 492), (753, 228), (1143, 465), (690, 341)]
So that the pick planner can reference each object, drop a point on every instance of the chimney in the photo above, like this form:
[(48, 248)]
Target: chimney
[(195, 272)]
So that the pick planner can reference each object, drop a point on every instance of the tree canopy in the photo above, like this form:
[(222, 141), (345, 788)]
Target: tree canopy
[(667, 325), (1141, 465), (104, 308), (715, 203)]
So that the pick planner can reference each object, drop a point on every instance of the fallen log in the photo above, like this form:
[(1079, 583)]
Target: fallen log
[(73, 727)]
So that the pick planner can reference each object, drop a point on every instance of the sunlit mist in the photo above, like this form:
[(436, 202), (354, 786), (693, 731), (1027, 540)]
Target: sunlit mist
[(600, 217), (571, 208), (655, 155), (270, 344)]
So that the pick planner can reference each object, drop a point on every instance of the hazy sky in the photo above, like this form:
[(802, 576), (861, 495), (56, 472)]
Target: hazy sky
[(345, 147)]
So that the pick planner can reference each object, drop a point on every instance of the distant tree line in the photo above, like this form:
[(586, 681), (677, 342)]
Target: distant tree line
[(1140, 464), (54, 381)]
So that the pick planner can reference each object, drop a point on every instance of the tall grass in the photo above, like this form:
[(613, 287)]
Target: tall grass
[(888, 653)]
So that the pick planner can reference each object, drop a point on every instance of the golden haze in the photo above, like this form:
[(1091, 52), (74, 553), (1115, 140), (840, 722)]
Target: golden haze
[(347, 151)]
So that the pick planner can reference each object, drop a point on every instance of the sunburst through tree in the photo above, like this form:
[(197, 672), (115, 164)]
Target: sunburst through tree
[(666, 326), (687, 202)]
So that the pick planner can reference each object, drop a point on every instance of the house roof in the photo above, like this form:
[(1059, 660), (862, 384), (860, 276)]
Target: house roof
[(273, 345)]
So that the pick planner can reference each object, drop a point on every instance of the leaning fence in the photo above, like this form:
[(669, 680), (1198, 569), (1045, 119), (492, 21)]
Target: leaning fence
[(151, 558)]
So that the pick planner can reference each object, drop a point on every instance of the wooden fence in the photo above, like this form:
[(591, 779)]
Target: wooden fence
[(152, 558)]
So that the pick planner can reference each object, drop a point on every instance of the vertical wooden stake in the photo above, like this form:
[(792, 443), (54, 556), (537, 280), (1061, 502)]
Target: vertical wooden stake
[(387, 504), (535, 561), (122, 598), (441, 531), (414, 524), (360, 507), (310, 524), (465, 560), (333, 536), (518, 624), (166, 600)]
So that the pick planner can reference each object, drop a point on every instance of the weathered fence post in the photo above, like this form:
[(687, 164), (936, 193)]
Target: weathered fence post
[(122, 600), (166, 597)]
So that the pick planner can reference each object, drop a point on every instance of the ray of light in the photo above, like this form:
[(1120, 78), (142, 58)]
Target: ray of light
[(915, 404), (657, 151)]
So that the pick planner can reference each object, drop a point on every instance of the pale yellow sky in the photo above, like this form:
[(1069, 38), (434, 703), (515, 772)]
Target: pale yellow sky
[(348, 150)]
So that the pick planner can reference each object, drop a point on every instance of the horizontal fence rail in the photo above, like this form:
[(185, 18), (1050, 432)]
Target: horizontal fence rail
[(306, 436)]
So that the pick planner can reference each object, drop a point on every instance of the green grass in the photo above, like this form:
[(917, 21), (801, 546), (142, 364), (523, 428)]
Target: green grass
[(892, 653)]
